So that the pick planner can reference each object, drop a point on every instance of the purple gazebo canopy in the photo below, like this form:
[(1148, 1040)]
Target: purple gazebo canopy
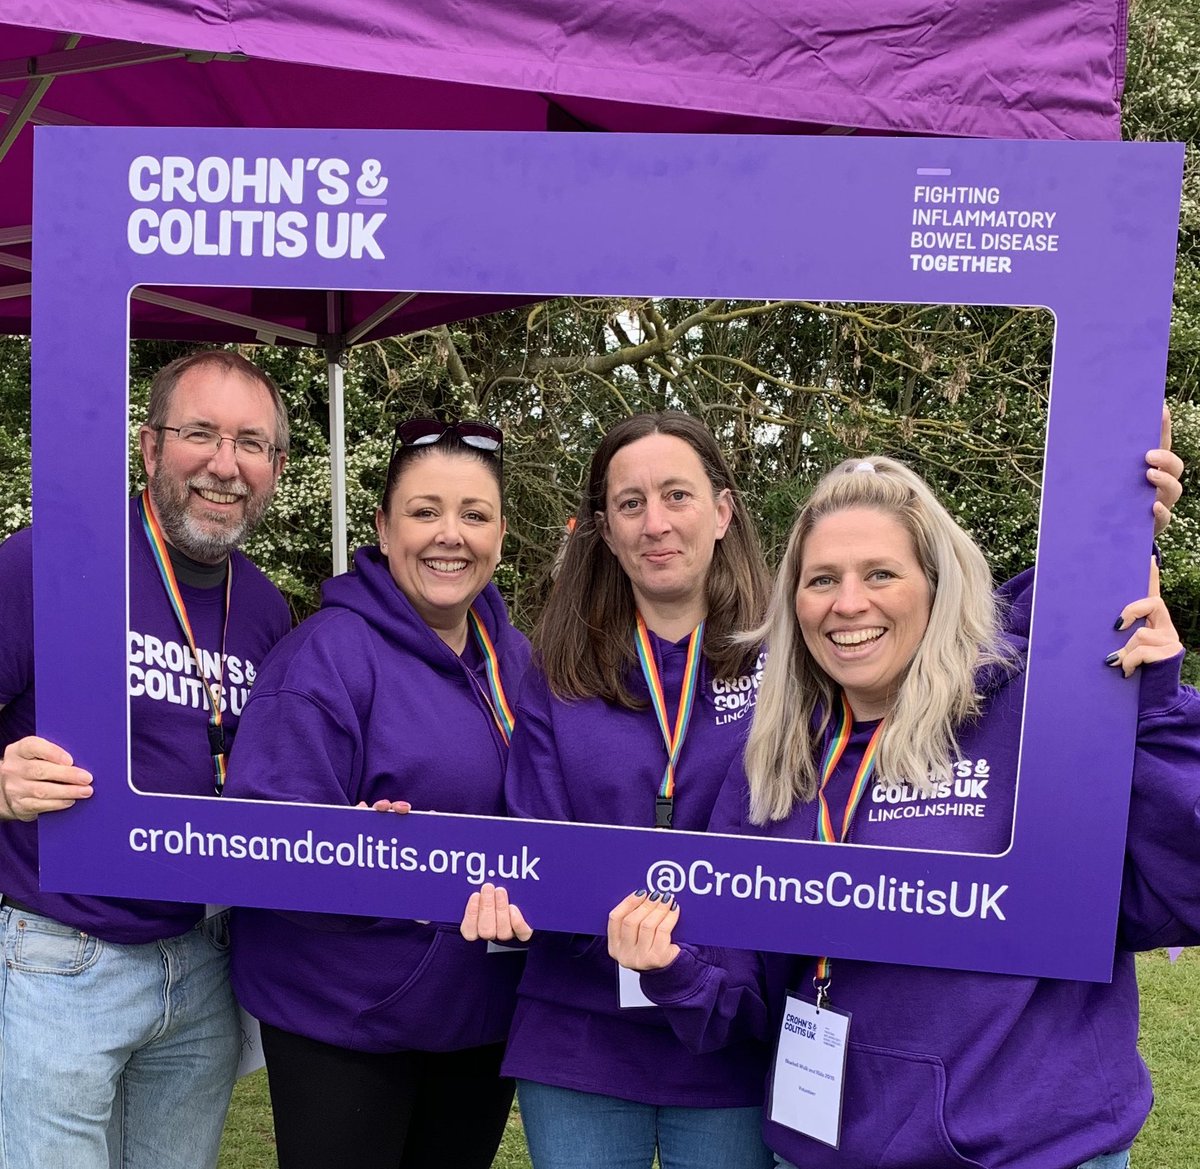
[(1024, 69)]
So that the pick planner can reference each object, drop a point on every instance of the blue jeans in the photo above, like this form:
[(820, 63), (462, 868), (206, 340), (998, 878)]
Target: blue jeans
[(583, 1130), (113, 1057)]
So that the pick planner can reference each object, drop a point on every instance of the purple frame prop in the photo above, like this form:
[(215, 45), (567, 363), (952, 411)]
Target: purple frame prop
[(814, 218)]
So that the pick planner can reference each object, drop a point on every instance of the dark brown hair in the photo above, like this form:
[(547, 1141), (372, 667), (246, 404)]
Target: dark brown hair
[(584, 640)]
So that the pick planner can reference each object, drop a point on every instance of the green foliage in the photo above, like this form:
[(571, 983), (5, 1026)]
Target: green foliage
[(1162, 102), (1181, 541), (790, 388), (14, 434)]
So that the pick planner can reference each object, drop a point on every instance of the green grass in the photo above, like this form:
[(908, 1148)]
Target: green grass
[(248, 1142), (1170, 1045), (1171, 1048)]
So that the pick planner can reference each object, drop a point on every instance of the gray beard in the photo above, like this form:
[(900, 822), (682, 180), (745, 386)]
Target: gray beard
[(207, 545)]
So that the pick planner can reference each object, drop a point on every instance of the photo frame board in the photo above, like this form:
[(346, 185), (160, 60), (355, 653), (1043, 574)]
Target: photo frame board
[(535, 215)]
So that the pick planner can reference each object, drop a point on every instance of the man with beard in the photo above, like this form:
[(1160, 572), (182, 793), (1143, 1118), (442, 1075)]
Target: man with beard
[(119, 1035)]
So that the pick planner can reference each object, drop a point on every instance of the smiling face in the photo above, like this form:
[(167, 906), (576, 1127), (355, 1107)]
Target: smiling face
[(661, 521), (441, 537), (862, 601), (209, 501)]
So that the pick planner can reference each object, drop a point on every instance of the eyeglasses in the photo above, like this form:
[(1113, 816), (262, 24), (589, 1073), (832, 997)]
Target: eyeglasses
[(247, 447)]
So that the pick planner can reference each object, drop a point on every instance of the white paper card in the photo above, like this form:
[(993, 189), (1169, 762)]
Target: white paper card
[(501, 948), (629, 987), (251, 1058), (810, 1070)]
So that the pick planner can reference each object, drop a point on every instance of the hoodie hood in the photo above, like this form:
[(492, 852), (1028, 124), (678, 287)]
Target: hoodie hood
[(1014, 601), (1014, 604), (369, 591)]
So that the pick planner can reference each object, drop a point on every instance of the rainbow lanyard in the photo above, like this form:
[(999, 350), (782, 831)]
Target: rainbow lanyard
[(498, 702), (664, 803), (217, 744), (825, 832)]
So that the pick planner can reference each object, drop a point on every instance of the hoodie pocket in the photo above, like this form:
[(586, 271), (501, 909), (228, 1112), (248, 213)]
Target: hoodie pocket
[(893, 1116), (456, 996)]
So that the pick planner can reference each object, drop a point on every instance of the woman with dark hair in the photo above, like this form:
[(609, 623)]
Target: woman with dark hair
[(640, 704), (380, 1035), (647, 536), (888, 668)]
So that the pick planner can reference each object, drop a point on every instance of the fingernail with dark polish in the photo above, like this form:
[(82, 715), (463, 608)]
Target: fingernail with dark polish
[(656, 896), (640, 893), (1120, 623), (1112, 659)]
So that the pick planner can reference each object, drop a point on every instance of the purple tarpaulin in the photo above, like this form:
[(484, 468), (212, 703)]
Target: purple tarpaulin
[(1024, 69), (1028, 69)]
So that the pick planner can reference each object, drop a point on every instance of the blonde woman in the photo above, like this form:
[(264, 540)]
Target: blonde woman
[(885, 644)]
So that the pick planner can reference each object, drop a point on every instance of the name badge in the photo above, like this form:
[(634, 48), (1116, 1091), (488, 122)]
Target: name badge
[(629, 989), (810, 1071), (501, 948)]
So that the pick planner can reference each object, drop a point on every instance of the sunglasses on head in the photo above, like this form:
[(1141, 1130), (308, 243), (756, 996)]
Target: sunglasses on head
[(479, 436), (429, 431)]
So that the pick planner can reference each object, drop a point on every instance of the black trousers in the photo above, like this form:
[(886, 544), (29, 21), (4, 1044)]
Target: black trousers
[(341, 1109)]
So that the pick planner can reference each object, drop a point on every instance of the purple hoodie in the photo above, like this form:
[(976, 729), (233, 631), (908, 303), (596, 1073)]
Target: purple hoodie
[(168, 714), (590, 761), (365, 702), (593, 762), (952, 1068)]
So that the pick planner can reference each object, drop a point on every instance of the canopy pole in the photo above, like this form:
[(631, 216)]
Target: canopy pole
[(335, 351)]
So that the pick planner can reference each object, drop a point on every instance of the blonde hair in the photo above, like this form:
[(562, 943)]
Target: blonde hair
[(937, 694)]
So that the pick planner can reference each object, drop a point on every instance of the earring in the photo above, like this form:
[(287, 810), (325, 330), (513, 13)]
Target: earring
[(383, 549)]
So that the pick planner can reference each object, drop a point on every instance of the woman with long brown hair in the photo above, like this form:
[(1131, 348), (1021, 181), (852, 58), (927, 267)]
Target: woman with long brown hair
[(641, 702)]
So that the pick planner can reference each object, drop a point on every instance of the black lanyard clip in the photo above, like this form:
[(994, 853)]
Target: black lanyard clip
[(218, 742), (664, 807)]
